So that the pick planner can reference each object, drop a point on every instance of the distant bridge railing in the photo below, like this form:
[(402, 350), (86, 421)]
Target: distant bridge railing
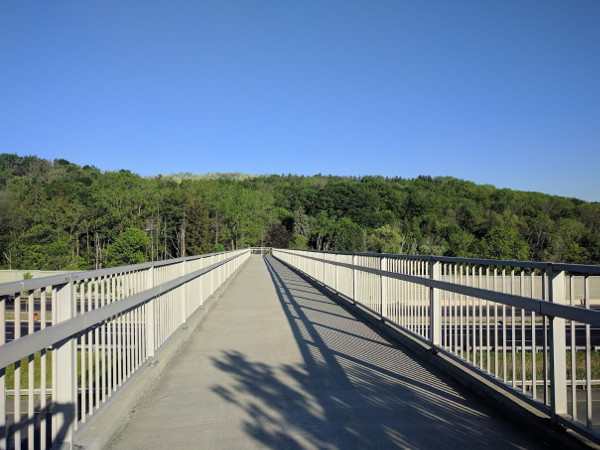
[(531, 328), (69, 342)]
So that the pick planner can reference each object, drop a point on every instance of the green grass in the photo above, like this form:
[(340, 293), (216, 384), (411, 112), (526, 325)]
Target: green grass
[(580, 372), (25, 368), (36, 367)]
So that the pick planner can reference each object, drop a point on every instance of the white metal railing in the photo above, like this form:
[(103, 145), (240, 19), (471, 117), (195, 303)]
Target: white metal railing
[(527, 326), (69, 342)]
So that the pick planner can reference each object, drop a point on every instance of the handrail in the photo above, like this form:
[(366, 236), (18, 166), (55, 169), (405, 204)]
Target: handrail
[(583, 315), (492, 316), (40, 282), (26, 345), (87, 333), (577, 268)]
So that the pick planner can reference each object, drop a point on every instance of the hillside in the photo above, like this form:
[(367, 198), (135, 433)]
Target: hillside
[(58, 215)]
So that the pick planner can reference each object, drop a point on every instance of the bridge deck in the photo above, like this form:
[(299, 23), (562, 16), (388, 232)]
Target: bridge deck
[(276, 364)]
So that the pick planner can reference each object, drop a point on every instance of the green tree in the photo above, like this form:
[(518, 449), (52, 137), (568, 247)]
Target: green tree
[(129, 248), (387, 239), (349, 236), (504, 243), (299, 242), (459, 242), (198, 234)]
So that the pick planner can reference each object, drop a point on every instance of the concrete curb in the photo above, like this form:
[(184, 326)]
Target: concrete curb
[(102, 427)]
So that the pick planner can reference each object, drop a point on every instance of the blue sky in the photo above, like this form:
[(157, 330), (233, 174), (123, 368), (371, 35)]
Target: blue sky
[(496, 92)]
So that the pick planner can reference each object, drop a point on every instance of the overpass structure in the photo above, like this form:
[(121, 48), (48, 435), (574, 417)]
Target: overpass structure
[(302, 349)]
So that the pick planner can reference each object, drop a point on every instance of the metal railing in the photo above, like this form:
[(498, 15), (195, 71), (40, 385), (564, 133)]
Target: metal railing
[(529, 327), (69, 342)]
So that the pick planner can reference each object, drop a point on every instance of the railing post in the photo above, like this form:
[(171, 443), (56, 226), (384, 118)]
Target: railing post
[(64, 364), (354, 278), (383, 287), (435, 303), (150, 318), (558, 347), (336, 274), (183, 296)]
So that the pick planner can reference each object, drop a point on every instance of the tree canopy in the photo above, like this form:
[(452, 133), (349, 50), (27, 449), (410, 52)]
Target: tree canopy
[(59, 215)]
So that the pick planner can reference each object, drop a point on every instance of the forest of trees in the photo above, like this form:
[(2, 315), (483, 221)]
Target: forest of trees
[(57, 215)]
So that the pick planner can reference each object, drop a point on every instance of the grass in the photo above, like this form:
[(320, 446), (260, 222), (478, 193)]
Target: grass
[(580, 371), (25, 368), (37, 368)]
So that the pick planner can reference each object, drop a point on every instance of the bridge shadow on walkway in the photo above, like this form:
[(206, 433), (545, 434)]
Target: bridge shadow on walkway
[(354, 388)]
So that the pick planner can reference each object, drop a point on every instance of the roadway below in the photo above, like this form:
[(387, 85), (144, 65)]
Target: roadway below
[(276, 364)]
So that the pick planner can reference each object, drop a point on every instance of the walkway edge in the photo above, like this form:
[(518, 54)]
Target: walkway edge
[(103, 426), (516, 411)]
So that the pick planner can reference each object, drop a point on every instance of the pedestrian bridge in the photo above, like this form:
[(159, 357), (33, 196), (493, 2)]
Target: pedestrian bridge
[(301, 349)]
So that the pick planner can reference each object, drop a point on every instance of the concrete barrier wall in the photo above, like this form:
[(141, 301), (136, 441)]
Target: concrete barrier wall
[(7, 276)]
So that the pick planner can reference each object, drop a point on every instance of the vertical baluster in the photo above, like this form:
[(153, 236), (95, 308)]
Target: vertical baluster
[(573, 352), (487, 321), (461, 299), (3, 430), (114, 331), (469, 318), (480, 315), (17, 376), (496, 344), (504, 353), (424, 303), (588, 356), (533, 343), (82, 350), (43, 375), (456, 342), (30, 373), (523, 349), (545, 344), (446, 311), (96, 348), (103, 342), (513, 333), (90, 350)]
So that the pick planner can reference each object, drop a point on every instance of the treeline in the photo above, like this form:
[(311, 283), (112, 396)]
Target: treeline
[(58, 215)]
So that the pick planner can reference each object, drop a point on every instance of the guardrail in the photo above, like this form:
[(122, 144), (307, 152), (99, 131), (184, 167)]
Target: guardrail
[(526, 326), (69, 342)]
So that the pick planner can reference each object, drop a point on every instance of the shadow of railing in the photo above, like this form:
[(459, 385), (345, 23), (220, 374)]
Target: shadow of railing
[(17, 434), (354, 388)]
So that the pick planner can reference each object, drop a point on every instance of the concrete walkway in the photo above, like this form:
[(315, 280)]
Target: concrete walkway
[(276, 364)]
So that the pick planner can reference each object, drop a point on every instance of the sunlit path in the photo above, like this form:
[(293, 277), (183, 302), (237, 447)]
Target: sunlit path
[(277, 364)]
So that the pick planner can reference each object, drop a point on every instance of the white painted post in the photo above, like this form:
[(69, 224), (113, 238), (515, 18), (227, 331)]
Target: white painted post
[(435, 303), (558, 348), (150, 318), (183, 294), (336, 275), (353, 278), (64, 364), (383, 267)]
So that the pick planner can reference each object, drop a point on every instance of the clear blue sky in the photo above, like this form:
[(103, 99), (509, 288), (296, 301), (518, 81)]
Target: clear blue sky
[(496, 92)]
